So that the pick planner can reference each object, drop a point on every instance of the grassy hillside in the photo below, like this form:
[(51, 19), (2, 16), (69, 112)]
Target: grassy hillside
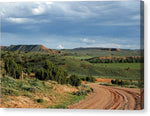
[(72, 65), (114, 70), (29, 48), (32, 93), (86, 52)]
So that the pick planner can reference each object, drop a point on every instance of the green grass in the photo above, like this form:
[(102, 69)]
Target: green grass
[(120, 65), (127, 84), (71, 99), (111, 70), (97, 52), (10, 91), (80, 57)]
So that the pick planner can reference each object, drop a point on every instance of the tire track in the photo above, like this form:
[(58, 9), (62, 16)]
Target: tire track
[(106, 97)]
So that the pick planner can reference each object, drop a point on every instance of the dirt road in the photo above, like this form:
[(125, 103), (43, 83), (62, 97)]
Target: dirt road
[(106, 97)]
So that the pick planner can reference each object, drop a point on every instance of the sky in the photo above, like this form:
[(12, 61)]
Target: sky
[(67, 25)]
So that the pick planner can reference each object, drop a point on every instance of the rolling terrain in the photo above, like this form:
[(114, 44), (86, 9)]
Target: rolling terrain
[(32, 71), (28, 48)]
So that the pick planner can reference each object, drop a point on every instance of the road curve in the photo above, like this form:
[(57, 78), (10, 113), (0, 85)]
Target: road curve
[(107, 97)]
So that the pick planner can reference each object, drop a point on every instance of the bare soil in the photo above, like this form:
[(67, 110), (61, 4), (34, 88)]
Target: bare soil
[(106, 97)]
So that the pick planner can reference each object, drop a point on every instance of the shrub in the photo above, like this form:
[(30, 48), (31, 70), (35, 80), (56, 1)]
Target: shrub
[(84, 91), (9, 82), (10, 91), (29, 88), (40, 100), (74, 80), (28, 94), (90, 79), (113, 81), (59, 106), (79, 93)]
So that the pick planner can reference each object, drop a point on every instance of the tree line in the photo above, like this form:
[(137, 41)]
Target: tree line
[(51, 72), (116, 60), (48, 72)]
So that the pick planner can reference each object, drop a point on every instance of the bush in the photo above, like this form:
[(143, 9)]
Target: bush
[(28, 94), (113, 81), (125, 83), (90, 79), (9, 82), (60, 106), (83, 90), (79, 93), (36, 83), (74, 80), (29, 88), (10, 91), (40, 100)]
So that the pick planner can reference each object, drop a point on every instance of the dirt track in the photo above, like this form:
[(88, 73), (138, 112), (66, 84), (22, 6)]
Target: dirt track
[(106, 97)]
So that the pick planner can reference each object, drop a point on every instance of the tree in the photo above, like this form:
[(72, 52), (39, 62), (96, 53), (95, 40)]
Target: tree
[(74, 80), (51, 72), (48, 65), (90, 78), (12, 68)]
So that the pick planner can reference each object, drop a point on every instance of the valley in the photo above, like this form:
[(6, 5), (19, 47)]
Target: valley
[(39, 77)]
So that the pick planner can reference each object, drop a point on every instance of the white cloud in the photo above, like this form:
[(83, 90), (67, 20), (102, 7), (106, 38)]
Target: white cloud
[(39, 10), (114, 45), (60, 47), (49, 3), (18, 20), (87, 40), (25, 20)]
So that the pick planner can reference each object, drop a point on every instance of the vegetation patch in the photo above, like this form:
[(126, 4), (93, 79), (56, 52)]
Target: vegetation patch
[(10, 91), (124, 83), (40, 100)]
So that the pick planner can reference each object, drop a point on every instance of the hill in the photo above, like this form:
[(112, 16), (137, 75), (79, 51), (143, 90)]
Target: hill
[(29, 48), (3, 47), (99, 48), (97, 52)]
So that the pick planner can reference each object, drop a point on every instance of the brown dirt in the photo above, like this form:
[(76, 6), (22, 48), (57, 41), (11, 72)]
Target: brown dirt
[(47, 49), (106, 97), (43, 47), (19, 102), (103, 80), (61, 89)]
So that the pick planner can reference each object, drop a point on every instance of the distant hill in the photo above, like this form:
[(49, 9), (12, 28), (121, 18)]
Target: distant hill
[(3, 47), (98, 51), (29, 48), (88, 51), (98, 48)]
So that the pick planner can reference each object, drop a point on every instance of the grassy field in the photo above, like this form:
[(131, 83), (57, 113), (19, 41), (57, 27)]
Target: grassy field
[(80, 57), (111, 70), (97, 52), (120, 65)]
